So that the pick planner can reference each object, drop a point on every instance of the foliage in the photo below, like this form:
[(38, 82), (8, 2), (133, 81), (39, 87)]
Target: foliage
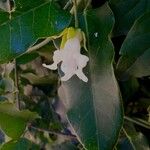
[(110, 111)]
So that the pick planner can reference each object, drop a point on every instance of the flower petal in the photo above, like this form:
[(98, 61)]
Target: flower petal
[(57, 58), (72, 61), (72, 46), (68, 66), (67, 76), (51, 67), (81, 60), (81, 75)]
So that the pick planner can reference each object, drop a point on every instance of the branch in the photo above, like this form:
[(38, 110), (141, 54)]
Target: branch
[(67, 4), (138, 122), (129, 138), (87, 4), (44, 42), (75, 13), (53, 132), (17, 86)]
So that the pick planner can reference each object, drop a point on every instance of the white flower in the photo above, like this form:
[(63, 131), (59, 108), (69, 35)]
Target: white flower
[(72, 61)]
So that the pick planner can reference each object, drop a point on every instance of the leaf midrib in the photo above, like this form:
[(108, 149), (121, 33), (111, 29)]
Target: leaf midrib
[(88, 46)]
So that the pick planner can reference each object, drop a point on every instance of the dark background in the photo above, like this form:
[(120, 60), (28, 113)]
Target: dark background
[(98, 3)]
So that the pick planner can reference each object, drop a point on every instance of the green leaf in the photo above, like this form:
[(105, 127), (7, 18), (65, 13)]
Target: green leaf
[(136, 143), (133, 139), (12, 121), (126, 12), (129, 88), (94, 109), (124, 143), (30, 21), (21, 144), (140, 142), (26, 58), (135, 50)]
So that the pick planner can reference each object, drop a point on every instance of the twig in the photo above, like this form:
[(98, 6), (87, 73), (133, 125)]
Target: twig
[(53, 132), (86, 28), (67, 4), (75, 13), (44, 42), (115, 148), (87, 4), (17, 86), (138, 122), (55, 44), (129, 138)]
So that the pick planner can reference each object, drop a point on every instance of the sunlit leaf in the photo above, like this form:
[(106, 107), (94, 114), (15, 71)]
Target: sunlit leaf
[(12, 121)]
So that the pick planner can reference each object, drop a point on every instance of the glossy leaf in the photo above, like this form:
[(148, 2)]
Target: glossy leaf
[(30, 21), (126, 12), (94, 109), (12, 121), (135, 50)]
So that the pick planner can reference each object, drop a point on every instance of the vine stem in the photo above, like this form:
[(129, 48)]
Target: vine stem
[(135, 121), (67, 4), (53, 132), (129, 138), (87, 4), (41, 44), (115, 148), (37, 46), (16, 85), (75, 13)]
